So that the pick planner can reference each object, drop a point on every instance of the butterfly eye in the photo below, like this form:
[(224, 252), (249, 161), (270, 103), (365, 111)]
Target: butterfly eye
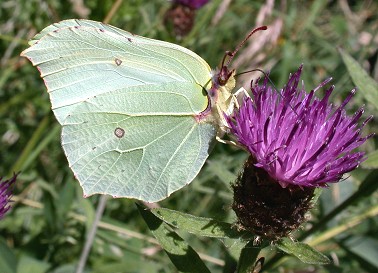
[(212, 93), (224, 75)]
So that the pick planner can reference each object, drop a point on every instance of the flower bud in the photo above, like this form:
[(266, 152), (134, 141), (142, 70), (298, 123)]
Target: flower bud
[(264, 207)]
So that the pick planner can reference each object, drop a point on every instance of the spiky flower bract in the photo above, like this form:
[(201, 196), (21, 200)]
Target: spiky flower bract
[(296, 142)]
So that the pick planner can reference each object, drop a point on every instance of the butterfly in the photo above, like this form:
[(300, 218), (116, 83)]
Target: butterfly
[(139, 116)]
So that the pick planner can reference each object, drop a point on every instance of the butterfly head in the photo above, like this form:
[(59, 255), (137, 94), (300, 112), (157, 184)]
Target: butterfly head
[(224, 73), (225, 76), (222, 99)]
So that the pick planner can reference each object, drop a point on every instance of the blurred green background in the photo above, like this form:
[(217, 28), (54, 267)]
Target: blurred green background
[(49, 222)]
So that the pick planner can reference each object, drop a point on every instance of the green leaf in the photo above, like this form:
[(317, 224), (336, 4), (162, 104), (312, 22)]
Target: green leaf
[(29, 264), (372, 161), (65, 200), (67, 268), (364, 247), (234, 240), (85, 206), (247, 258), (367, 86), (221, 172), (368, 185), (182, 255), (317, 193), (8, 261), (302, 251), (132, 266), (200, 226), (234, 246)]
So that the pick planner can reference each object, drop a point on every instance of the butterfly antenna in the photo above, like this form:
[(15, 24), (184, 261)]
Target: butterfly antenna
[(225, 73), (270, 81), (233, 53), (265, 74)]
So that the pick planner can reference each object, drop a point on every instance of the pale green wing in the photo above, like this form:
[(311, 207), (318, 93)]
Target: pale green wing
[(128, 107)]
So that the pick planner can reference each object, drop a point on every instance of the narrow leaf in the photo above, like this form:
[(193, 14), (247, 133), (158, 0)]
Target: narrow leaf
[(368, 185), (364, 247), (367, 86), (181, 254), (247, 258), (222, 173), (28, 264), (302, 251), (8, 260), (200, 226), (372, 161)]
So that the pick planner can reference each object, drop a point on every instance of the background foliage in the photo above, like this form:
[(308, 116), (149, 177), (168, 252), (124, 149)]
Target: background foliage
[(49, 223)]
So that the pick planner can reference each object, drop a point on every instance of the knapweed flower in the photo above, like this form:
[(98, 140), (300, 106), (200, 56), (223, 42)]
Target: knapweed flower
[(180, 17), (5, 194), (296, 142)]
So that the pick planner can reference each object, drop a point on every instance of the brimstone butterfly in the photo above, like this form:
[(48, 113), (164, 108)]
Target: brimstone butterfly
[(139, 116)]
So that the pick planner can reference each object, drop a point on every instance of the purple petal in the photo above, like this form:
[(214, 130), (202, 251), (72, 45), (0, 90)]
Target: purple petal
[(5, 194), (297, 138)]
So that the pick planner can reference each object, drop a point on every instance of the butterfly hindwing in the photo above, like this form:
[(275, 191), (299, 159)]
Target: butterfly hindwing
[(128, 108)]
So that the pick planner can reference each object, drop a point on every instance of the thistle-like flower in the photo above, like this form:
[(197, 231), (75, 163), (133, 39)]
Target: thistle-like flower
[(296, 142), (5, 194)]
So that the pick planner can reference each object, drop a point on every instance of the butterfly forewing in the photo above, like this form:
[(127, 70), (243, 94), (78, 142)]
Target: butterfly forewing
[(127, 105)]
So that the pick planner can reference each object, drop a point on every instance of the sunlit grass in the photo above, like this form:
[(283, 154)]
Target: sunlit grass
[(50, 219)]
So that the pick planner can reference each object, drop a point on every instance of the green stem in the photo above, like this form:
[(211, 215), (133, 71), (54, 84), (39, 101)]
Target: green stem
[(91, 234)]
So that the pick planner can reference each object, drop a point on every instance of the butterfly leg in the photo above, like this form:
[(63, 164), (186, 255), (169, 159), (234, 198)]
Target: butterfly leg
[(239, 96), (235, 101)]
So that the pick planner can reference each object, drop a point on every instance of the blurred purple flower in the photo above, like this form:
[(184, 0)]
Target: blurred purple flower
[(193, 4), (297, 138), (179, 18), (5, 194)]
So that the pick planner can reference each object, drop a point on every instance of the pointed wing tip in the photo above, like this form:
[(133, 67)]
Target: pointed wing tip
[(23, 53), (26, 51)]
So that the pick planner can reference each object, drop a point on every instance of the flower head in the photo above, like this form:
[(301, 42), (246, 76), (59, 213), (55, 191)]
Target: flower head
[(5, 194), (297, 138), (297, 142)]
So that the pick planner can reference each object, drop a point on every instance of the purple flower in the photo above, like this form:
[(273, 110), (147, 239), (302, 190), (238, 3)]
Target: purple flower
[(297, 138), (5, 194), (193, 4), (179, 18)]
